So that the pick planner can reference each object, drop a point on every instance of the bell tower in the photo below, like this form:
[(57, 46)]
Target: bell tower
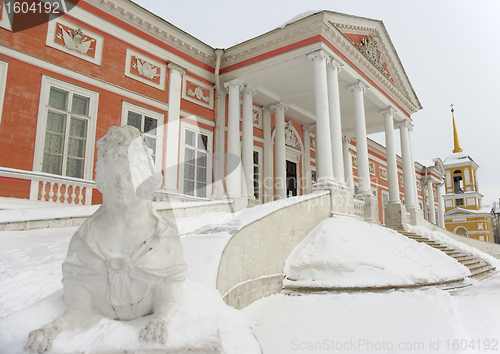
[(463, 202)]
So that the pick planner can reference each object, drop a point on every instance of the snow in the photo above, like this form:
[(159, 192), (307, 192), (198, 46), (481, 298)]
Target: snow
[(445, 239), (428, 320), (31, 295), (457, 157), (344, 252), (299, 17)]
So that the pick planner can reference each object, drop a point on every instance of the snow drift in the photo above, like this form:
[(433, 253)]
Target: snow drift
[(343, 252)]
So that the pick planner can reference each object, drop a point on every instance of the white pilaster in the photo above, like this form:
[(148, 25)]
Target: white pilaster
[(361, 142), (247, 142), (220, 138), (233, 178), (430, 196), (333, 70), (307, 158), (173, 129), (324, 166), (268, 156), (280, 150), (440, 205), (392, 167), (347, 163), (408, 166)]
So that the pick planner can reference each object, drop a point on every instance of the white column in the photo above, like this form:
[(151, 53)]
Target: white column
[(173, 128), (247, 142), (392, 166), (440, 205), (233, 178), (347, 163), (333, 70), (361, 142), (324, 167), (307, 158), (408, 166), (220, 138), (430, 195), (410, 129), (268, 156), (280, 150)]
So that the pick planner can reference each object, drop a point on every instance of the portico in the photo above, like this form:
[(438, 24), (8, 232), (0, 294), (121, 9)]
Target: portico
[(335, 91)]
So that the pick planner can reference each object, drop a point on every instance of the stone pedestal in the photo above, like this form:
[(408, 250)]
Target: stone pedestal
[(395, 215), (342, 199), (370, 208), (416, 216)]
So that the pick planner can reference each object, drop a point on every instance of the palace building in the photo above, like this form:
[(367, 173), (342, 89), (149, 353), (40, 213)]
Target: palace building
[(276, 116)]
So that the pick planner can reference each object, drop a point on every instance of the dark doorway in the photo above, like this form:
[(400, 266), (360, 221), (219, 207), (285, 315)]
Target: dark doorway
[(291, 179)]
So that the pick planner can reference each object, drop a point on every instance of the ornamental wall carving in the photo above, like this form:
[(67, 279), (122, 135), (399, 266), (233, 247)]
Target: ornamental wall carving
[(291, 138), (146, 70), (197, 92), (75, 40), (257, 117), (383, 172)]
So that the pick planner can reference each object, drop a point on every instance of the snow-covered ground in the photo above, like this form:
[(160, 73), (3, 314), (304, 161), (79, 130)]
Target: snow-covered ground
[(424, 320)]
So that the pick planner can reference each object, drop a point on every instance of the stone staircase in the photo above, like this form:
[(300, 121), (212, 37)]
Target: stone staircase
[(479, 268)]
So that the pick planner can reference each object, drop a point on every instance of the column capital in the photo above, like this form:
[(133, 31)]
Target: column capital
[(335, 64), (346, 139), (390, 111), (236, 83), (268, 108), (249, 89), (321, 54), (280, 105), (174, 66), (405, 124), (307, 128), (359, 86)]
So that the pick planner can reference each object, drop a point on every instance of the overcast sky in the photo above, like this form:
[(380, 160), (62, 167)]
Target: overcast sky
[(448, 48)]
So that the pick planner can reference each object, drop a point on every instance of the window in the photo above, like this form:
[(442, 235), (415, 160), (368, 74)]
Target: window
[(257, 163), (196, 168), (67, 119), (460, 202), (149, 123), (458, 184)]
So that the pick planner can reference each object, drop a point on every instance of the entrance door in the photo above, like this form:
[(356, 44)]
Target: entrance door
[(291, 179)]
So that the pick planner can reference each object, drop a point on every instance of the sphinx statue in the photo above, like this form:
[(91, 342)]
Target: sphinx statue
[(125, 261)]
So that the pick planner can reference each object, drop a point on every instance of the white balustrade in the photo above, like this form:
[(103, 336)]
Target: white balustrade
[(53, 188), (359, 207)]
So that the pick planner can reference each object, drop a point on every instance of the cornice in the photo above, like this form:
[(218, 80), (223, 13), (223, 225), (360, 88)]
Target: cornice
[(154, 26)]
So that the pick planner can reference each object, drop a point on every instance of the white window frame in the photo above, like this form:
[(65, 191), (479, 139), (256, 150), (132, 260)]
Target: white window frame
[(260, 151), (7, 18), (187, 126), (47, 83), (129, 107), (3, 83)]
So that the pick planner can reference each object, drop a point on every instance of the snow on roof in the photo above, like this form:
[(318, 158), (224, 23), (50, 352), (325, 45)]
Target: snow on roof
[(457, 157), (299, 17)]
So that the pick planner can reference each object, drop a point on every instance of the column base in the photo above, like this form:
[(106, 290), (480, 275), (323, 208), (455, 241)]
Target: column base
[(416, 216), (395, 216), (324, 183), (370, 209)]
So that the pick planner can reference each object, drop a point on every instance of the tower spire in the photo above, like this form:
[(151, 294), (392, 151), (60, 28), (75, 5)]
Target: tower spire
[(455, 134)]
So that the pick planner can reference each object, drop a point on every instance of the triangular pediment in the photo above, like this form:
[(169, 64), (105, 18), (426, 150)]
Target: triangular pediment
[(371, 40)]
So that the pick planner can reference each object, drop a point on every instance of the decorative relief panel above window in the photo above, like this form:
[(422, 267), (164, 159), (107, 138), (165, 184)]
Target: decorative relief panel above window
[(371, 167), (198, 92), (70, 38), (383, 173), (146, 70)]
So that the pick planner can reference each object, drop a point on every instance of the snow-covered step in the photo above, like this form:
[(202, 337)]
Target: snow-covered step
[(479, 268)]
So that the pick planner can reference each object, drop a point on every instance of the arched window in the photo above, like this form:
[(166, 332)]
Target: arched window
[(462, 231), (458, 183)]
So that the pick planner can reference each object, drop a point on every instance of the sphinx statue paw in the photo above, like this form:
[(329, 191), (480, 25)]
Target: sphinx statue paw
[(40, 340), (155, 331)]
